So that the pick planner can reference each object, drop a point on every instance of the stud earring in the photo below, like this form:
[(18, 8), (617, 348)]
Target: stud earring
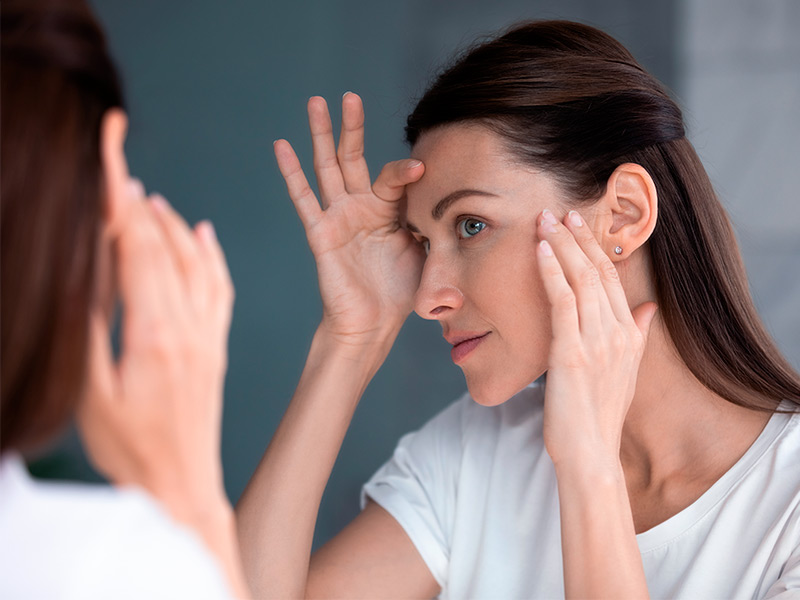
[(618, 250)]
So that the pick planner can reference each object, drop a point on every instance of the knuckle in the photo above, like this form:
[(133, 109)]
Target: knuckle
[(608, 271), (156, 338), (389, 171), (572, 356), (589, 277), (326, 162), (565, 300), (618, 341), (350, 154)]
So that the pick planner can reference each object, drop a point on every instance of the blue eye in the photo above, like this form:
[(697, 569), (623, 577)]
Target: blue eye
[(469, 227)]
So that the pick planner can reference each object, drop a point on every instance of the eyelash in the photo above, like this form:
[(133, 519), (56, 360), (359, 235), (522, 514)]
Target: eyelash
[(461, 227), (426, 244)]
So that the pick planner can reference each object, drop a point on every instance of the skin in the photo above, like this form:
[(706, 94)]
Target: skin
[(152, 417), (486, 284), (547, 286)]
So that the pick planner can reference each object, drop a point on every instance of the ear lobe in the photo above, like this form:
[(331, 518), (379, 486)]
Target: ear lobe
[(633, 202), (113, 130)]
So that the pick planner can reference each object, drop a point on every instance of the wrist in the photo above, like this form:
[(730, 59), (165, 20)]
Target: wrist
[(191, 497), (590, 473), (368, 348)]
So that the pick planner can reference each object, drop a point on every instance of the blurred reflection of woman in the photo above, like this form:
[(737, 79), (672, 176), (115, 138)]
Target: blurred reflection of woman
[(78, 234)]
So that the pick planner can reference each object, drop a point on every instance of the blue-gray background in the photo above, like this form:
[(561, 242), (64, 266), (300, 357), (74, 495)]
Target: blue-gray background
[(211, 84)]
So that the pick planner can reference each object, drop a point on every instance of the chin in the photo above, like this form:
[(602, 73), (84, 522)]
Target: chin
[(493, 391)]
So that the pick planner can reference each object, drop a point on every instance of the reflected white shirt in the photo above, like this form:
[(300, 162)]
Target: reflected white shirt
[(70, 540)]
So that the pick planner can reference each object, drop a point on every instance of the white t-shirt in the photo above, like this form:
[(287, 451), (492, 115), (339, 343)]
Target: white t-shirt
[(68, 540), (475, 491)]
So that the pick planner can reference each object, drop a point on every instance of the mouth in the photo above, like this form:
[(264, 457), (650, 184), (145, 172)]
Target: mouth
[(464, 344)]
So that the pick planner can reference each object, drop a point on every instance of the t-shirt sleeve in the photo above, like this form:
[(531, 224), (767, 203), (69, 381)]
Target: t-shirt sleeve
[(417, 486), (788, 585)]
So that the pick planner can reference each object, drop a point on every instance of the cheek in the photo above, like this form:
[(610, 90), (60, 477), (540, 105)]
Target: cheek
[(520, 314), (512, 278)]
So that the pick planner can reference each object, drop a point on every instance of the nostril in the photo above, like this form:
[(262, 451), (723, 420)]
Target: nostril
[(438, 310)]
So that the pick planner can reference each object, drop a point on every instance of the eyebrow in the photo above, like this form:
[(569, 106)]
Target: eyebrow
[(447, 201)]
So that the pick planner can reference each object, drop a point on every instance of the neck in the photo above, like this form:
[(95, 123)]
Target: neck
[(675, 423)]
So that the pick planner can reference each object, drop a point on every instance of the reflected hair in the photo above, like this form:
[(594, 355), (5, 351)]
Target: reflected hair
[(569, 99), (57, 81)]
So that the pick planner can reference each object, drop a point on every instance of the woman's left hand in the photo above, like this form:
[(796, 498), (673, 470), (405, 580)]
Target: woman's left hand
[(597, 345)]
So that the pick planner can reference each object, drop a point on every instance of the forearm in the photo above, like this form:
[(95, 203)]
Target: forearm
[(600, 553), (201, 504), (219, 532), (278, 510)]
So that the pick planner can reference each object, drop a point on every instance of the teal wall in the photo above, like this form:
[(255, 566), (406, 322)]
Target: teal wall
[(210, 85)]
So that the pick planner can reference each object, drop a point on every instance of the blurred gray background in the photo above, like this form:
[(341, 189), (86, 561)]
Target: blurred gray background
[(210, 85)]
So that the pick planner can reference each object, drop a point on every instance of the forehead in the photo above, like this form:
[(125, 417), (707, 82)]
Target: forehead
[(469, 156), (462, 150)]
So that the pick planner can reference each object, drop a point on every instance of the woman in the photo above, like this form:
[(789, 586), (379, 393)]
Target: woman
[(570, 230), (78, 235)]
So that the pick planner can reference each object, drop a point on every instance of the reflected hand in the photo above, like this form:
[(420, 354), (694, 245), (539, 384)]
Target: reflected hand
[(368, 265), (153, 417)]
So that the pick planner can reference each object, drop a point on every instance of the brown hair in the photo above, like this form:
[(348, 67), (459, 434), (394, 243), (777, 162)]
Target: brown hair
[(57, 82), (571, 100)]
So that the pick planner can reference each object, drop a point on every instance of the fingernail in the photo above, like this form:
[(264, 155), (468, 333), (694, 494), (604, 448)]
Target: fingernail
[(159, 202), (575, 219), (345, 94), (548, 221), (135, 188), (414, 164), (206, 231), (546, 249)]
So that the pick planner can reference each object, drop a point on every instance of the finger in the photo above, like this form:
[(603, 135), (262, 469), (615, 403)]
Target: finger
[(222, 285), (303, 198), (582, 277), (151, 291), (136, 188), (184, 248), (100, 409), (395, 176), (609, 276), (102, 369), (564, 314), (351, 146), (326, 163)]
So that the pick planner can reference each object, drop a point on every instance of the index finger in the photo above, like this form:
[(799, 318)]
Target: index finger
[(602, 263), (303, 198)]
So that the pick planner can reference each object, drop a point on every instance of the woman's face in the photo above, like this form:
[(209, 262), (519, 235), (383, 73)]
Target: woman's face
[(475, 210)]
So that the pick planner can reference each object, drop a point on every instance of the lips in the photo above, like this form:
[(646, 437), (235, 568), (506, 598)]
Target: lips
[(464, 344)]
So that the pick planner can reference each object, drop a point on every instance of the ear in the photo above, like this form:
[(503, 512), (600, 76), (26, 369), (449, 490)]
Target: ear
[(113, 129), (626, 213)]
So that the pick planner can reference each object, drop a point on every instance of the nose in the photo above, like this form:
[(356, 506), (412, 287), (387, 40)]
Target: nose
[(438, 295)]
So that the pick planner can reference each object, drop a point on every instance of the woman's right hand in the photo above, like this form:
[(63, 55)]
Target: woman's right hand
[(152, 417), (368, 265)]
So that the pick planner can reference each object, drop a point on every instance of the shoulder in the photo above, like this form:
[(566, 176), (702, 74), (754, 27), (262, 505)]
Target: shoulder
[(97, 541)]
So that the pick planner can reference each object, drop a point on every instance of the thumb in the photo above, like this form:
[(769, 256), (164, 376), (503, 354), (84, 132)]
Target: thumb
[(643, 317), (395, 176)]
